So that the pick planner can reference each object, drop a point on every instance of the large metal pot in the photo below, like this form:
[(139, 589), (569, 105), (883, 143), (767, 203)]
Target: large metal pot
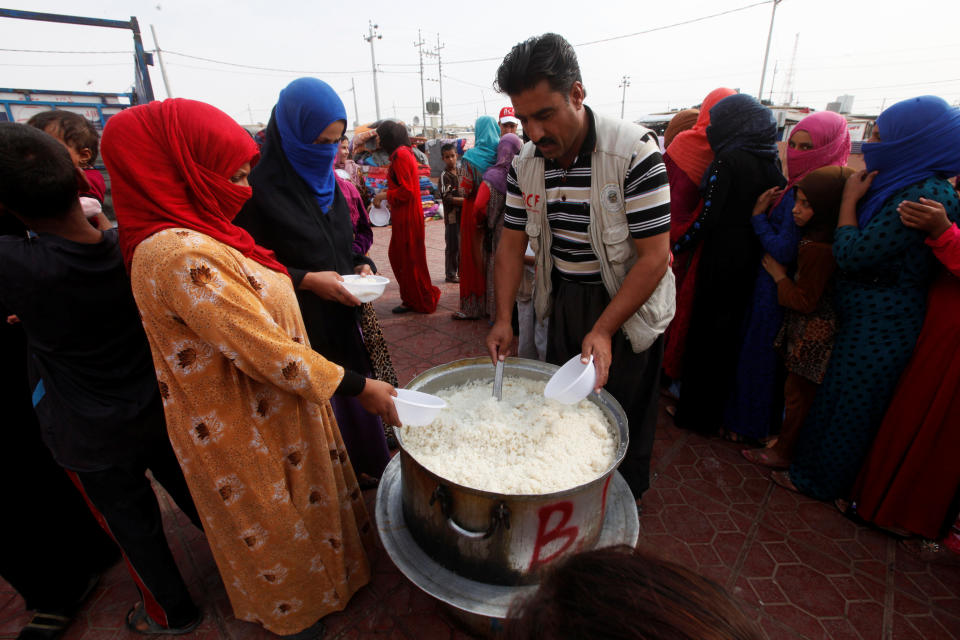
[(496, 538)]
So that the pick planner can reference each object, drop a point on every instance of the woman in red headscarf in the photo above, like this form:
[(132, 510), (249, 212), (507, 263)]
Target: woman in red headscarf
[(687, 157), (246, 400)]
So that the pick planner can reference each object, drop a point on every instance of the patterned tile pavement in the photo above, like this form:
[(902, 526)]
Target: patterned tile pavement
[(800, 568)]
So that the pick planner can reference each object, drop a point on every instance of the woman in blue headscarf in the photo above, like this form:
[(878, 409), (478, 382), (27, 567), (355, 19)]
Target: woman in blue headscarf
[(299, 211), (473, 222), (883, 271), (743, 136)]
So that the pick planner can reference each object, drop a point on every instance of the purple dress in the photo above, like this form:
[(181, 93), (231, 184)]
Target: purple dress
[(755, 407)]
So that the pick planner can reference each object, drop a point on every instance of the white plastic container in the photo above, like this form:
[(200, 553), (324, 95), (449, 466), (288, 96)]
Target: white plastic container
[(379, 216), (573, 382), (366, 288), (417, 409)]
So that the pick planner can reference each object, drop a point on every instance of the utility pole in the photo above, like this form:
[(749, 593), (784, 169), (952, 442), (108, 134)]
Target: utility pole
[(423, 96), (792, 72), (773, 81), (356, 112), (766, 54), (163, 67), (623, 101), (484, 98), (374, 35), (440, 80)]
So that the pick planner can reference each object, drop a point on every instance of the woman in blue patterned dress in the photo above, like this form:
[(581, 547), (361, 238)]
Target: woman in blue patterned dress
[(884, 269), (755, 407)]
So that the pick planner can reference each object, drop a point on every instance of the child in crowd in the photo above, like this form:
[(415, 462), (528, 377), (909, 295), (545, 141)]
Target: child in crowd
[(452, 201), (95, 392), (806, 336), (82, 141)]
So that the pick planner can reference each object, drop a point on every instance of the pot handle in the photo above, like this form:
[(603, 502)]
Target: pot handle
[(499, 515)]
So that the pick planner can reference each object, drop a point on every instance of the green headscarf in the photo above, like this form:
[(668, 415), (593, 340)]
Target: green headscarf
[(484, 152)]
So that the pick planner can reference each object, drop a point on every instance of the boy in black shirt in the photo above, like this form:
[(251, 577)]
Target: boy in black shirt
[(452, 200), (94, 388)]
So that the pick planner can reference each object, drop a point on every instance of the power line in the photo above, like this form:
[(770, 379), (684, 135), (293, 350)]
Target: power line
[(675, 24), (70, 52), (250, 66), (620, 37)]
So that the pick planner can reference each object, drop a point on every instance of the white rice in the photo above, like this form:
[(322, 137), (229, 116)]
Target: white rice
[(524, 444)]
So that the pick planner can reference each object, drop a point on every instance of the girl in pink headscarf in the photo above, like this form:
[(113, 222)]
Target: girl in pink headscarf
[(755, 407)]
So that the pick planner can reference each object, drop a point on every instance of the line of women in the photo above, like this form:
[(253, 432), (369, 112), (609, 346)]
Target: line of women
[(801, 301), (264, 362)]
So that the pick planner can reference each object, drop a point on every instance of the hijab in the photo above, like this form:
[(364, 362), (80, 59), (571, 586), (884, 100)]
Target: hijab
[(741, 123), (919, 139), (305, 108), (831, 147), (682, 121), (508, 147), (170, 165), (487, 137), (823, 188), (690, 149)]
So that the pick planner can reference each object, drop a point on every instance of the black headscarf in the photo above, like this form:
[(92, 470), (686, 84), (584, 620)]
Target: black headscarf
[(740, 122)]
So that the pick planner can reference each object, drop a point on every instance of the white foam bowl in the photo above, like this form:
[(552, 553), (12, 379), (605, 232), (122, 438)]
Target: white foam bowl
[(417, 409), (366, 288), (379, 216), (572, 382)]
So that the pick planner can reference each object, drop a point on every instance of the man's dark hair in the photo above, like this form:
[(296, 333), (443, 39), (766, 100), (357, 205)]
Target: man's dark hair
[(621, 592), (393, 135), (449, 146), (548, 57), (37, 176), (76, 131)]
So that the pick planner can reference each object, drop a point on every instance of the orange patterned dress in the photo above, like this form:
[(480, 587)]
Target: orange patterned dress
[(248, 413)]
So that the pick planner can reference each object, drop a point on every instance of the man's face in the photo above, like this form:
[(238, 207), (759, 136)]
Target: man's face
[(507, 127), (550, 118), (450, 159)]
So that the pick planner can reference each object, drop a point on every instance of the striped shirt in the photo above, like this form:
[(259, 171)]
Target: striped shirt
[(646, 193)]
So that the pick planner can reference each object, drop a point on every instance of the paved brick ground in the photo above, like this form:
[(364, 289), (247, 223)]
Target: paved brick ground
[(800, 568)]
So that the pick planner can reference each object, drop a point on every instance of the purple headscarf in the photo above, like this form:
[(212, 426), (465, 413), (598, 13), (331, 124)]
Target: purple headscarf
[(507, 148)]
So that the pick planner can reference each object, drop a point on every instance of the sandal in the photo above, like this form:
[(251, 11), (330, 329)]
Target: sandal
[(138, 615), (929, 551), (45, 626), (401, 309), (460, 315), (763, 458), (782, 479)]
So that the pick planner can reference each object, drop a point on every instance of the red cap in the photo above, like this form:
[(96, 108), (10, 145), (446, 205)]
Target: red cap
[(507, 116)]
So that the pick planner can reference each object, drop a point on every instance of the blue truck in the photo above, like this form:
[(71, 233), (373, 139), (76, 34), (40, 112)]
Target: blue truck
[(19, 105)]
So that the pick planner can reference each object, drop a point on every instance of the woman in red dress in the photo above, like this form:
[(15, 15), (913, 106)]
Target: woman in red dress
[(473, 220), (910, 482), (408, 253)]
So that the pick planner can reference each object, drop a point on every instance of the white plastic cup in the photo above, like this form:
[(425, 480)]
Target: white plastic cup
[(417, 409), (573, 382), (366, 288)]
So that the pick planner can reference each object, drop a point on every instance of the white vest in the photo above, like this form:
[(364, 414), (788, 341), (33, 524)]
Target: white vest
[(618, 143)]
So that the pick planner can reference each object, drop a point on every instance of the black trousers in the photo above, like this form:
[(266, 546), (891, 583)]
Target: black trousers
[(451, 236), (634, 377), (126, 507), (50, 545)]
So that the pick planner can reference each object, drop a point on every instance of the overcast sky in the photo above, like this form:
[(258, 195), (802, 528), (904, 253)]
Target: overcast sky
[(880, 52)]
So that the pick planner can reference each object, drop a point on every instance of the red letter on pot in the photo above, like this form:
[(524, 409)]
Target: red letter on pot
[(558, 532)]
